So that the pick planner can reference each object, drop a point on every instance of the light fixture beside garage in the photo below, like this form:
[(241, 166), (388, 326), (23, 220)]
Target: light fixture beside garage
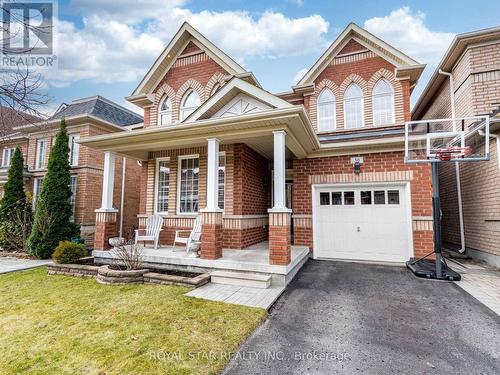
[(357, 161)]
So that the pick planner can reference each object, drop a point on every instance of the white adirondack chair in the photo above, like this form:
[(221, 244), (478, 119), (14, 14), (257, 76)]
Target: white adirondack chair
[(194, 235), (154, 226)]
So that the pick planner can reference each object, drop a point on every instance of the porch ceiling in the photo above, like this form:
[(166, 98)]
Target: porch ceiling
[(255, 130)]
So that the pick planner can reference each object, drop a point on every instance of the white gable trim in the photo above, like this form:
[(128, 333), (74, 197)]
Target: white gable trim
[(258, 105), (252, 91), (231, 66), (350, 32)]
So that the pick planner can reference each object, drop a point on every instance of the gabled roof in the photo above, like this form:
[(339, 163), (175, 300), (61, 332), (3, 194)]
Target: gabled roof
[(455, 51), (99, 107), (184, 35), (412, 68), (230, 90)]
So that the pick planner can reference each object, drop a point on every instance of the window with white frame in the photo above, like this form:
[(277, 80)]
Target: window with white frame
[(166, 111), (189, 103), (74, 149), (72, 198), (353, 107), (326, 111), (162, 185), (7, 156), (383, 103), (222, 179), (189, 171), (41, 151), (37, 189)]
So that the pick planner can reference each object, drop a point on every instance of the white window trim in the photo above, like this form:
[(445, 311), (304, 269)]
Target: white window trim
[(161, 113), (157, 176), (393, 114), (184, 108), (37, 154), (362, 107), (178, 198), (72, 138), (334, 102), (6, 150), (223, 153)]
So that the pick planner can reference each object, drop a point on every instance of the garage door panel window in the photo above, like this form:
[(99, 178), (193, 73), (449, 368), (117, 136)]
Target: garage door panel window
[(366, 197), (336, 198), (324, 199), (393, 196), (379, 197), (348, 198)]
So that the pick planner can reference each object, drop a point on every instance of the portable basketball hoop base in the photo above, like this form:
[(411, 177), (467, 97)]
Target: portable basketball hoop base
[(454, 140)]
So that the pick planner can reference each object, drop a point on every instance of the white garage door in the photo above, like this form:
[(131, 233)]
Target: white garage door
[(362, 222)]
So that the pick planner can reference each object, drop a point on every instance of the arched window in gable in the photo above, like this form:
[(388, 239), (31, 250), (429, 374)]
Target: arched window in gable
[(353, 107), (189, 104), (383, 103), (326, 111), (166, 111)]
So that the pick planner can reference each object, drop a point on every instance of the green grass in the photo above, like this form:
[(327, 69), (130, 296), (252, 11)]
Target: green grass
[(69, 325)]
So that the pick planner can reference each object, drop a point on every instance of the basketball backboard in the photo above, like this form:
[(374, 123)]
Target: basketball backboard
[(452, 139)]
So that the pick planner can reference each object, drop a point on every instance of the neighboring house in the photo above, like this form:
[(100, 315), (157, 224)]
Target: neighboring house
[(473, 59), (320, 165), (85, 117)]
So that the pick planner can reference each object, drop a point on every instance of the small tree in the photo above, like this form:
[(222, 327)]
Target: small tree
[(15, 210), (54, 202)]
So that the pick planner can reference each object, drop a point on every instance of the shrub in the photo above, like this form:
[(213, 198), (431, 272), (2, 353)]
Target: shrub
[(68, 252)]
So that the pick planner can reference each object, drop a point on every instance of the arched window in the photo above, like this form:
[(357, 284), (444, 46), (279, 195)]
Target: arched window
[(166, 111), (326, 111), (383, 103), (353, 107), (189, 103)]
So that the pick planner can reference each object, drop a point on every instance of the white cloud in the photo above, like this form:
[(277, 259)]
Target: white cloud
[(407, 31), (107, 49), (299, 75)]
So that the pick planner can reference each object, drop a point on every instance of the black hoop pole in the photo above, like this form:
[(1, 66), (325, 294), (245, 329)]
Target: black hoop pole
[(436, 208)]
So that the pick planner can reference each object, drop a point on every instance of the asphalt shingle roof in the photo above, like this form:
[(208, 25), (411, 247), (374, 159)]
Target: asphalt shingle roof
[(101, 108)]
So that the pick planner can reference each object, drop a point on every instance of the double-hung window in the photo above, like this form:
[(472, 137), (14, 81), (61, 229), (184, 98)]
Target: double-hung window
[(326, 111), (166, 111), (383, 103), (353, 107), (74, 149), (37, 189), (41, 151), (189, 172), (162, 187), (7, 156), (222, 179), (72, 198)]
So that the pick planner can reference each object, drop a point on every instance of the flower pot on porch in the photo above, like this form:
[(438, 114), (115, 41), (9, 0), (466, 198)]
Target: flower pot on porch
[(106, 275)]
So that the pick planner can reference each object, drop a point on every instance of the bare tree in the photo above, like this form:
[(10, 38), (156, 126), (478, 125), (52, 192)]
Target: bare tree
[(129, 254)]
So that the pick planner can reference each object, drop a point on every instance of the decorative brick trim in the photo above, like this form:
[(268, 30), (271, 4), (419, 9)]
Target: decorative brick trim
[(245, 221), (217, 78), (164, 90), (279, 219), (194, 85), (211, 218), (106, 217), (279, 238), (391, 176), (422, 224), (196, 57), (105, 228), (353, 57), (302, 221)]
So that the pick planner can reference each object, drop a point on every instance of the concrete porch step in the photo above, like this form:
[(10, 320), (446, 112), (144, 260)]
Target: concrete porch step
[(253, 280)]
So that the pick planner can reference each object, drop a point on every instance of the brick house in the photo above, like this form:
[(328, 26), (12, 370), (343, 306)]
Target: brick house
[(85, 117), (317, 167), (473, 60)]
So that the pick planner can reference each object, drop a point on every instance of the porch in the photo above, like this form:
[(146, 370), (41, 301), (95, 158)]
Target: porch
[(252, 260)]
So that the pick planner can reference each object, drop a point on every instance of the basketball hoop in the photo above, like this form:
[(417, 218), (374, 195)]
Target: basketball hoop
[(449, 153)]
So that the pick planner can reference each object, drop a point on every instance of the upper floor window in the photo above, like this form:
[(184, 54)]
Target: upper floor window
[(41, 151), (326, 111), (166, 111), (74, 149), (189, 103), (72, 198), (7, 156), (37, 189), (383, 103), (353, 107)]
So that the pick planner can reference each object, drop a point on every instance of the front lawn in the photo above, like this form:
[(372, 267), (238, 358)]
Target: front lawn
[(70, 325)]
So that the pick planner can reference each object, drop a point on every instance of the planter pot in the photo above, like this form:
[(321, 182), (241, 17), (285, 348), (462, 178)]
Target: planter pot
[(116, 241), (106, 275)]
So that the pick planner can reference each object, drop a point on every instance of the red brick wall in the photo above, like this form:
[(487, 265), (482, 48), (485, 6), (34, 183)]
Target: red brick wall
[(351, 46), (421, 193), (242, 238)]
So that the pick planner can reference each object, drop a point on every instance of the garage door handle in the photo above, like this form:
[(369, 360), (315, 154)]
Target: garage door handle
[(359, 229)]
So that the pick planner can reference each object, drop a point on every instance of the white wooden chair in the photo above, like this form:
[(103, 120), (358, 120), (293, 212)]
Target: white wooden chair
[(193, 238), (154, 226)]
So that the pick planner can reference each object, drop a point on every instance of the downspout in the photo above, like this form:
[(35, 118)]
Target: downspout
[(457, 165), (122, 196), (497, 137)]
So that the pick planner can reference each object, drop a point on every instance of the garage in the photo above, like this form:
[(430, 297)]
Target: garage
[(364, 222)]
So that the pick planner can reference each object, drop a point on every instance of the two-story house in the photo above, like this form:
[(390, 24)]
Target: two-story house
[(319, 166), (84, 118)]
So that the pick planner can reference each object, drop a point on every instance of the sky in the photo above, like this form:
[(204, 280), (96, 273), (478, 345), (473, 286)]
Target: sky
[(106, 46)]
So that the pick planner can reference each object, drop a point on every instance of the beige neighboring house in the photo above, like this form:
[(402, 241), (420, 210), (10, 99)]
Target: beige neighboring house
[(473, 59)]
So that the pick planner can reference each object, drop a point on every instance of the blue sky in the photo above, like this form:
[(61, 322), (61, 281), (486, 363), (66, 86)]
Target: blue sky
[(106, 46)]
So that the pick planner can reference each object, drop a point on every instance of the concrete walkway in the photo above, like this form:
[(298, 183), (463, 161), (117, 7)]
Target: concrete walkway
[(479, 280), (239, 295), (11, 264)]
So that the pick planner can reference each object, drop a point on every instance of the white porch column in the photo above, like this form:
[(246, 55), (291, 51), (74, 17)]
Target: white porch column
[(108, 181), (213, 176), (279, 171)]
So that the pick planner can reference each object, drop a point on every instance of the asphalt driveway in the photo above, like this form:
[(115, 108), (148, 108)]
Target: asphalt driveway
[(354, 318)]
